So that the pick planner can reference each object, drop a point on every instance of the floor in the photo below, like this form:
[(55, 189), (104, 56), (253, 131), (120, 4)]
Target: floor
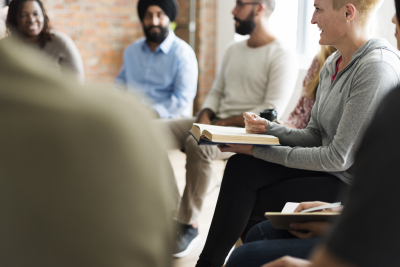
[(178, 160)]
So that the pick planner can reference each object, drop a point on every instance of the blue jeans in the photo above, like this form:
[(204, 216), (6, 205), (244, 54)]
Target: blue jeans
[(264, 244)]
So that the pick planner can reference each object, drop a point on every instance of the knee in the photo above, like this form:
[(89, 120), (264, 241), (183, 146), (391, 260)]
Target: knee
[(192, 149), (237, 258), (191, 145), (237, 166), (239, 161), (255, 234)]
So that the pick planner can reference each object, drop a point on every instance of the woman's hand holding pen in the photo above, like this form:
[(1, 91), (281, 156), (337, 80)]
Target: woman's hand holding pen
[(254, 123)]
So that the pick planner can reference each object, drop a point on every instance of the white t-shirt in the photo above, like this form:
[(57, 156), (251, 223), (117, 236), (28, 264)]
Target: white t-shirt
[(253, 79)]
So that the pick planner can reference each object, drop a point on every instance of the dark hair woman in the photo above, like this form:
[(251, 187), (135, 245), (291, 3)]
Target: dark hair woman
[(29, 20)]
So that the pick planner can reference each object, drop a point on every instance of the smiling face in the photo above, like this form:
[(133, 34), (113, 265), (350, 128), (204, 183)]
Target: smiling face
[(332, 23), (30, 19), (397, 32), (155, 24)]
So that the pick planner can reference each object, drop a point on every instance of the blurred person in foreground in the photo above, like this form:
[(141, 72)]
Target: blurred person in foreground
[(28, 20), (76, 185), (161, 68)]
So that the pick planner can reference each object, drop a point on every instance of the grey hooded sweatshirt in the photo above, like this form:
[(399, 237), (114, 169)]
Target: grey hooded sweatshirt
[(341, 113)]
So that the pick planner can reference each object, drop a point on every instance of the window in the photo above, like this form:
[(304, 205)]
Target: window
[(307, 34), (283, 22), (291, 22)]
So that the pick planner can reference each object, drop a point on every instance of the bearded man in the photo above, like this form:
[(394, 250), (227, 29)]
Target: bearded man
[(160, 68), (256, 74)]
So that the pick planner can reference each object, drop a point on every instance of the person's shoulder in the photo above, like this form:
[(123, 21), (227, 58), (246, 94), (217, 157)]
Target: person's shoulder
[(182, 48), (181, 44), (379, 51), (49, 93), (5, 40), (280, 48), (136, 45), (60, 37), (233, 45), (103, 103), (383, 60)]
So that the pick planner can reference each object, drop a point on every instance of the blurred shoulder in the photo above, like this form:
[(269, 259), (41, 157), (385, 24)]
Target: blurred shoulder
[(182, 49), (136, 45), (281, 48), (61, 38)]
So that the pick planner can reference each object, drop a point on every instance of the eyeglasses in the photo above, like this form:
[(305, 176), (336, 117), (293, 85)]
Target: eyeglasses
[(240, 4)]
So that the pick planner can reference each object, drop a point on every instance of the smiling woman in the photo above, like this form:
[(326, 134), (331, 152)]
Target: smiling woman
[(28, 20), (312, 163)]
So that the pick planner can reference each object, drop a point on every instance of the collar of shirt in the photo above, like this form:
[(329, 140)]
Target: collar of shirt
[(166, 45)]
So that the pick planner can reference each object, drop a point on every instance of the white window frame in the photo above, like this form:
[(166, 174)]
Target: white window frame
[(304, 30)]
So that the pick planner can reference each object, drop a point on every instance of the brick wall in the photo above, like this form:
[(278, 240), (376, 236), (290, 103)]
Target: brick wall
[(205, 48), (102, 29), (183, 19)]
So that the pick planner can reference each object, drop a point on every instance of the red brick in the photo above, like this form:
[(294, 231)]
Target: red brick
[(102, 28)]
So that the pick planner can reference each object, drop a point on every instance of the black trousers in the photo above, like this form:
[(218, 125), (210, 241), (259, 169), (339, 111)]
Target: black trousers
[(251, 187)]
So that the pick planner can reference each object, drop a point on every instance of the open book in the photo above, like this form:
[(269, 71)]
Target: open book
[(213, 135), (282, 220)]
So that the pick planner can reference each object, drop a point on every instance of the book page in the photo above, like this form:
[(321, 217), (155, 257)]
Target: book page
[(238, 135), (220, 129), (290, 207), (213, 129)]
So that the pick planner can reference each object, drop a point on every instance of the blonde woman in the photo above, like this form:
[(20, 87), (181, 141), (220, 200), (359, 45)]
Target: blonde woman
[(300, 116), (357, 238), (316, 162)]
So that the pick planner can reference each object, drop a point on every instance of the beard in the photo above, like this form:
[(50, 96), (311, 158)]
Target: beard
[(155, 37), (245, 26)]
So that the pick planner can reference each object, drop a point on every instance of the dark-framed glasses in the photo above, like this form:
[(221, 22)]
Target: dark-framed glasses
[(241, 4)]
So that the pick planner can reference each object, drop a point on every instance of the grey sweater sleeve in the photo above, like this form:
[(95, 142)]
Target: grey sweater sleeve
[(368, 87), (308, 137)]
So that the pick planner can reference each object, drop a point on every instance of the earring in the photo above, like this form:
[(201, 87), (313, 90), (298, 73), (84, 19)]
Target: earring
[(347, 20)]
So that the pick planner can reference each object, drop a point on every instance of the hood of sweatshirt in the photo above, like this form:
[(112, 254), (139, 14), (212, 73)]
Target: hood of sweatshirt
[(362, 52)]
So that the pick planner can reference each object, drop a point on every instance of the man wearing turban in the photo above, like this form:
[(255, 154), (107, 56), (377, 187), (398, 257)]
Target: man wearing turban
[(160, 68)]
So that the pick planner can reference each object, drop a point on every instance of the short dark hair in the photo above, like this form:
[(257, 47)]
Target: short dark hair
[(397, 4), (12, 20)]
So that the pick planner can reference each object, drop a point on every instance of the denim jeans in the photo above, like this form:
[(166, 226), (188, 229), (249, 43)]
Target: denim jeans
[(264, 244)]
